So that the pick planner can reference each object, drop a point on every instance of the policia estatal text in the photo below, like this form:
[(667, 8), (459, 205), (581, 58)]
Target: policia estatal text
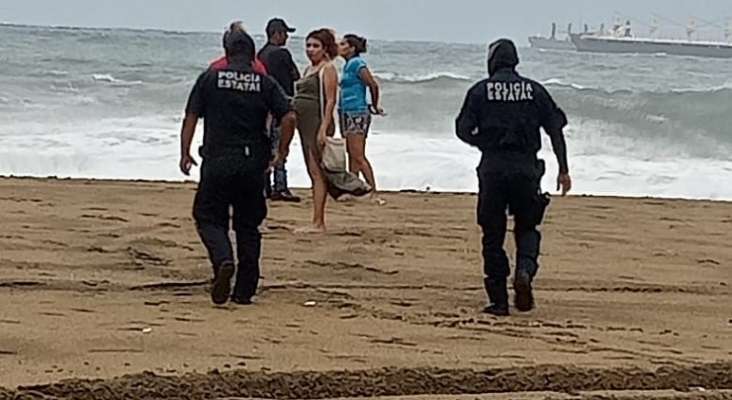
[(502, 116), (234, 103)]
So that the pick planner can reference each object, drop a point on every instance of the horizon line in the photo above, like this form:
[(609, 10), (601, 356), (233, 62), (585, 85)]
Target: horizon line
[(177, 31)]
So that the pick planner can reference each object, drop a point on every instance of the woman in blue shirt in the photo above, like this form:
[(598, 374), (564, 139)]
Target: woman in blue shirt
[(353, 109)]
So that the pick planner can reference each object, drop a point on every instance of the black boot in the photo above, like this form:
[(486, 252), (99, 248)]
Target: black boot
[(523, 292), (222, 284), (496, 310), (497, 296)]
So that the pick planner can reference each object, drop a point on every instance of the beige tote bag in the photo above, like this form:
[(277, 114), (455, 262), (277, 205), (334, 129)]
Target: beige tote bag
[(334, 154)]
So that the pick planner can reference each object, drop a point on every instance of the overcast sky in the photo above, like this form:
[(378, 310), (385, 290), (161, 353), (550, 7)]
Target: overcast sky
[(475, 21)]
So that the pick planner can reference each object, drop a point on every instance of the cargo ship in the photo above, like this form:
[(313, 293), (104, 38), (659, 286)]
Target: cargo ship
[(552, 43), (620, 39)]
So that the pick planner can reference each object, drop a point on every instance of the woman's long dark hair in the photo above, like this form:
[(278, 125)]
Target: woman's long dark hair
[(357, 42), (327, 39)]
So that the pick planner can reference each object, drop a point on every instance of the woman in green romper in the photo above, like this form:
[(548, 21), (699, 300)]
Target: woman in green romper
[(315, 123)]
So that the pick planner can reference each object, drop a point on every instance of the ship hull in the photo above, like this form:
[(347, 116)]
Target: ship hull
[(542, 43), (629, 46)]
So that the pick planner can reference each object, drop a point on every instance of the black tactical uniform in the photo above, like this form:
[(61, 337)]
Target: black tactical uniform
[(234, 102), (502, 116)]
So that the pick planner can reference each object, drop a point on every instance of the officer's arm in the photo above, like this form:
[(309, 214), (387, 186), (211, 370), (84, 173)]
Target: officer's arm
[(553, 120), (195, 109), (283, 67), (281, 109), (291, 63), (467, 122), (276, 66)]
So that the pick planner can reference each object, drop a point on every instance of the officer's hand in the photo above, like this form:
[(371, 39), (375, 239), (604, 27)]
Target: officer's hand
[(565, 183), (186, 162)]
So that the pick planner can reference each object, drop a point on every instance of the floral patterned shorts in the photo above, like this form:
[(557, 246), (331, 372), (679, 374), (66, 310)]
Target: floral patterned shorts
[(355, 123)]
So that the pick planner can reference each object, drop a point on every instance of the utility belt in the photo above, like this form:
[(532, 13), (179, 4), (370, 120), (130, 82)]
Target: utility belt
[(520, 169), (513, 164), (259, 149)]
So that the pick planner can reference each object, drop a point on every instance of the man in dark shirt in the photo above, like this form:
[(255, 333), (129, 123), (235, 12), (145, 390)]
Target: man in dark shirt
[(280, 65), (234, 102), (502, 116)]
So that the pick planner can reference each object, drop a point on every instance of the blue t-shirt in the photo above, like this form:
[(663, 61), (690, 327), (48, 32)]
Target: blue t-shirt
[(353, 89)]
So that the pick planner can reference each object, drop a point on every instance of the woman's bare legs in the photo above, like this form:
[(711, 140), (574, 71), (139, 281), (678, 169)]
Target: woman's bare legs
[(320, 196), (357, 161)]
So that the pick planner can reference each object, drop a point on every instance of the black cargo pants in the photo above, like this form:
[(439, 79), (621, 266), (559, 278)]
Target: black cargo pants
[(233, 180), (516, 188)]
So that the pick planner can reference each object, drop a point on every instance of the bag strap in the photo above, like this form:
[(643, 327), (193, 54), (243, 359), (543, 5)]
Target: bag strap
[(321, 76), (322, 92)]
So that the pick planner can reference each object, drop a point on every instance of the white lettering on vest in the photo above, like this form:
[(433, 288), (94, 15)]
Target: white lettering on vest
[(509, 91), (241, 81)]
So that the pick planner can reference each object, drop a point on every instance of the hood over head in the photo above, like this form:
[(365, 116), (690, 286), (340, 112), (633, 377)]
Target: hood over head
[(502, 54)]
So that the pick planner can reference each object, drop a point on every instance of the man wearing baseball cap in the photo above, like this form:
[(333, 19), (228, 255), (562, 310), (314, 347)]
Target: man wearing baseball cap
[(280, 66), (234, 102)]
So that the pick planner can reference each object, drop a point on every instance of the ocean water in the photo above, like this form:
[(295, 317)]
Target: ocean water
[(108, 104)]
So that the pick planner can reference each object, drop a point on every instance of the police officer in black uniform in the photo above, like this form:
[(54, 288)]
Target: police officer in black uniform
[(234, 103), (502, 116)]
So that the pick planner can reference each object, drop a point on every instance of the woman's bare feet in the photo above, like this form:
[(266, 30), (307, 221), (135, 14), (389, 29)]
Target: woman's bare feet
[(375, 199), (309, 230)]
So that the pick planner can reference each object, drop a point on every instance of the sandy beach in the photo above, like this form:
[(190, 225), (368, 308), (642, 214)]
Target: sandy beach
[(103, 287)]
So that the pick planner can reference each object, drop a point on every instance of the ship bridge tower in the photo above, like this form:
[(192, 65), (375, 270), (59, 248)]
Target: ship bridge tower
[(728, 30), (690, 29), (617, 24), (653, 28), (627, 29)]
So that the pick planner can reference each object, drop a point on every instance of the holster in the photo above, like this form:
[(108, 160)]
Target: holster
[(542, 202), (542, 199)]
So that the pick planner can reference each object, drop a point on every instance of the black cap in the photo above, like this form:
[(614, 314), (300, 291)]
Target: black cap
[(278, 25), (238, 42)]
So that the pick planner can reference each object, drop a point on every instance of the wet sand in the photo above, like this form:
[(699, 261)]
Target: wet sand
[(108, 281)]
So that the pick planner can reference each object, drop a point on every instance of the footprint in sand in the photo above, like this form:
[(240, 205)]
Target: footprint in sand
[(52, 314), (309, 231), (187, 319), (83, 310), (105, 217), (95, 209)]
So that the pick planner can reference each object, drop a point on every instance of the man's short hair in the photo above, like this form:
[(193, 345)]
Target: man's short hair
[(237, 41), (236, 26)]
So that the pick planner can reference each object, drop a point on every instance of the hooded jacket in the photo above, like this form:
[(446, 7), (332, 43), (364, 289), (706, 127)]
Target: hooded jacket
[(503, 114)]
